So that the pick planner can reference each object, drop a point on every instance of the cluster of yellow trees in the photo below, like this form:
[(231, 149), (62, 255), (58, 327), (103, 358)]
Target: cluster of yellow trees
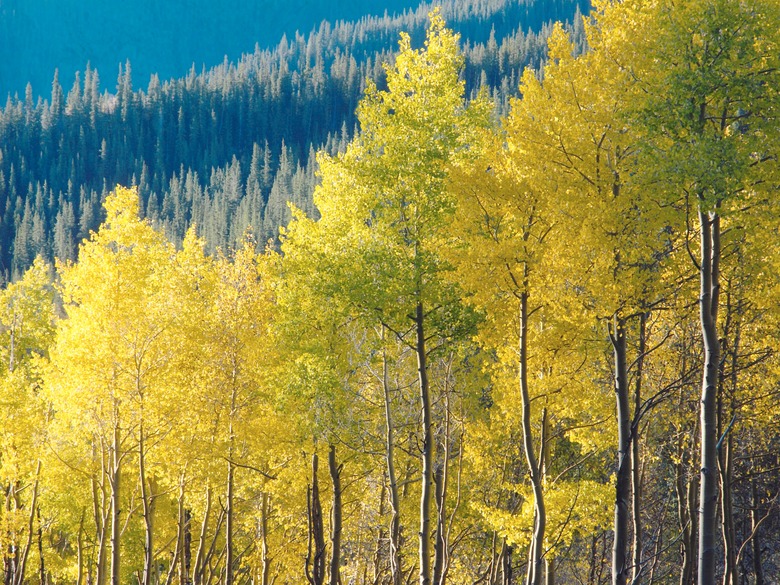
[(535, 350)]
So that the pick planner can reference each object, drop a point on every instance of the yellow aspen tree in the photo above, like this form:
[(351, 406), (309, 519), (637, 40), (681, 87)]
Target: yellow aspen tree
[(709, 75), (385, 206), (111, 359), (27, 322)]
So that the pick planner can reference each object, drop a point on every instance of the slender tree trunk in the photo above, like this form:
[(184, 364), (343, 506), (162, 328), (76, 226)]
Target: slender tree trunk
[(725, 456), (441, 549), (9, 561), (593, 561), (42, 563), (264, 558), (758, 568), (709, 224), (380, 537), (727, 515), (229, 513), (197, 573), (687, 521), (147, 500), (114, 481), (182, 554), (80, 552), (335, 535), (544, 463), (636, 463), (177, 551), (535, 556), (185, 576), (316, 575), (21, 564), (229, 553), (396, 571), (102, 510), (507, 575), (427, 449), (620, 564), (438, 543)]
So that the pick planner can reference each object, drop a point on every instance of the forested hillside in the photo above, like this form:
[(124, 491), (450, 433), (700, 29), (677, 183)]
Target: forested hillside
[(227, 147), (39, 36), (532, 341)]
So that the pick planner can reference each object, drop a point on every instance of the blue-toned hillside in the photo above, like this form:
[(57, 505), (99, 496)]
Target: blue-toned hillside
[(37, 36), (224, 147)]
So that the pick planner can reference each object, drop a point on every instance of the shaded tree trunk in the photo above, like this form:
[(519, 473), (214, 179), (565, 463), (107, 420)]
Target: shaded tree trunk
[(686, 521), (441, 479), (380, 537), (197, 573), (536, 549), (42, 563), (185, 572), (758, 568), (315, 566), (636, 463), (20, 564), (544, 461), (439, 494), (80, 552), (725, 469), (620, 564), (396, 571), (102, 510), (114, 481), (507, 575), (264, 557), (725, 448), (709, 224), (335, 535), (427, 449), (229, 517), (147, 501)]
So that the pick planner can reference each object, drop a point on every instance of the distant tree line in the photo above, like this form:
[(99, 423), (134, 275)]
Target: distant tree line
[(226, 148)]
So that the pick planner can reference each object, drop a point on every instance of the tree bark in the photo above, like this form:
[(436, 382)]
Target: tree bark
[(380, 537), (620, 564), (725, 452), (441, 553), (264, 558), (185, 577), (335, 535), (687, 521), (42, 563), (725, 469), (507, 575), (114, 481), (229, 553), (438, 543), (427, 449), (636, 464), (709, 224), (536, 549), (147, 503), (80, 552), (102, 510), (316, 575), (197, 574), (544, 462), (21, 564), (396, 571), (758, 568)]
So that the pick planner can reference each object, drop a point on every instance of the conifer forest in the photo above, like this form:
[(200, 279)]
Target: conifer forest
[(482, 293)]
